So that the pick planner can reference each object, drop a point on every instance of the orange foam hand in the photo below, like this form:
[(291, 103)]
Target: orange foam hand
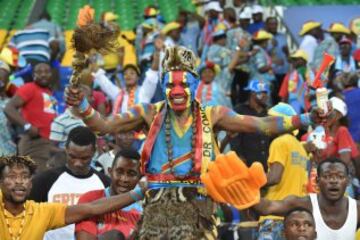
[(86, 16), (229, 180)]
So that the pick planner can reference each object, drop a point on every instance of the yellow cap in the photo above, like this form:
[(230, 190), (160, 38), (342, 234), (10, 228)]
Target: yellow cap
[(262, 35), (211, 65), (133, 66), (9, 56), (306, 27), (300, 54), (338, 28), (169, 27), (129, 35), (110, 16), (355, 25)]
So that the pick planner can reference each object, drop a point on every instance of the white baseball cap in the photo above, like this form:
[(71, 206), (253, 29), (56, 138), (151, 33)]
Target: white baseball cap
[(339, 105), (257, 9), (213, 5), (245, 13)]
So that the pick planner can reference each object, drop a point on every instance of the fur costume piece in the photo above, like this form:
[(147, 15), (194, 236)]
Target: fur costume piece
[(179, 59), (177, 214)]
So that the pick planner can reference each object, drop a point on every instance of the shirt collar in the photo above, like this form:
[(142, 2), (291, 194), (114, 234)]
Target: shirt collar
[(29, 209)]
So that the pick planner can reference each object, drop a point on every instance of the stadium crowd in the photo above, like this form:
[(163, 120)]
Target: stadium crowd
[(91, 177)]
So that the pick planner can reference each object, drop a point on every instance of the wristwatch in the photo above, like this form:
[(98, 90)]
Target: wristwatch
[(27, 127)]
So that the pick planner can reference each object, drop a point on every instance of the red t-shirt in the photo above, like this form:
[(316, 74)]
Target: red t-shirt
[(98, 98), (39, 107), (341, 142), (283, 92), (123, 220), (11, 89)]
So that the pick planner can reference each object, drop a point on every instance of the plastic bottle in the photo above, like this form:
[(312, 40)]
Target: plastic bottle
[(322, 98)]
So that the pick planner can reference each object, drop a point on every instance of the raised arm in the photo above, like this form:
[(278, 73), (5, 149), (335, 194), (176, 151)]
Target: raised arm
[(131, 120), (226, 119), (109, 88), (148, 88), (280, 208), (80, 212)]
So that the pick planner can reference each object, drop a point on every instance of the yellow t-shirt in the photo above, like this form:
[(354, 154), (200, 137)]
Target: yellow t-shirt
[(290, 153), (39, 218), (111, 60)]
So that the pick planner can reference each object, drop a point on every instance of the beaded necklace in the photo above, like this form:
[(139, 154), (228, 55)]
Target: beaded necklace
[(170, 146), (131, 101), (12, 235)]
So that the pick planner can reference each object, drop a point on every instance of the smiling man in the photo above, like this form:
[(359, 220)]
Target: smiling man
[(179, 147), (37, 107), (336, 216), (125, 174), (24, 219), (66, 184)]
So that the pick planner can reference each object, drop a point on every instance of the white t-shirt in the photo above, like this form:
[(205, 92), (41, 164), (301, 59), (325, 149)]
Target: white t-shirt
[(61, 186), (308, 44)]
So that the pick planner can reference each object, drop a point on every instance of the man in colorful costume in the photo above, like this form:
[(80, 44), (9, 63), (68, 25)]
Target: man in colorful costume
[(180, 144), (179, 147)]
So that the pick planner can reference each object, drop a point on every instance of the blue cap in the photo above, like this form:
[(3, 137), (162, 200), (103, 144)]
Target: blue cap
[(258, 86), (281, 110)]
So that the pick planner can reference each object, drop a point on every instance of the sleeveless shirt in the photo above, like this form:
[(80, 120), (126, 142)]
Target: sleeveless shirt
[(324, 232)]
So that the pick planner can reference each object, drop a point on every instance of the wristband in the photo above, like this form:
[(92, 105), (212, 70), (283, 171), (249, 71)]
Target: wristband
[(137, 193), (85, 109), (305, 119), (84, 105), (88, 114)]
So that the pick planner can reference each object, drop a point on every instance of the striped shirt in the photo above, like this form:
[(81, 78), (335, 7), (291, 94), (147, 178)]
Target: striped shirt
[(62, 125), (32, 44)]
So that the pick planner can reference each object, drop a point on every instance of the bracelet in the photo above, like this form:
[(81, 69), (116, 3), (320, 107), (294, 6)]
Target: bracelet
[(136, 193), (88, 115), (84, 105), (305, 119), (85, 109)]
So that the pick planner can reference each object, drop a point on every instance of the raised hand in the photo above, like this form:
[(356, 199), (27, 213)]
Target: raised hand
[(73, 96), (229, 180), (318, 116)]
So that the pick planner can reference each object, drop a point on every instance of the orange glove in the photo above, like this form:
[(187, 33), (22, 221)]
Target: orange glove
[(86, 16), (229, 180)]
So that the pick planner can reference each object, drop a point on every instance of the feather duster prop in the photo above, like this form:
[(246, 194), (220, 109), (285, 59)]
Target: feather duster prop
[(90, 37)]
